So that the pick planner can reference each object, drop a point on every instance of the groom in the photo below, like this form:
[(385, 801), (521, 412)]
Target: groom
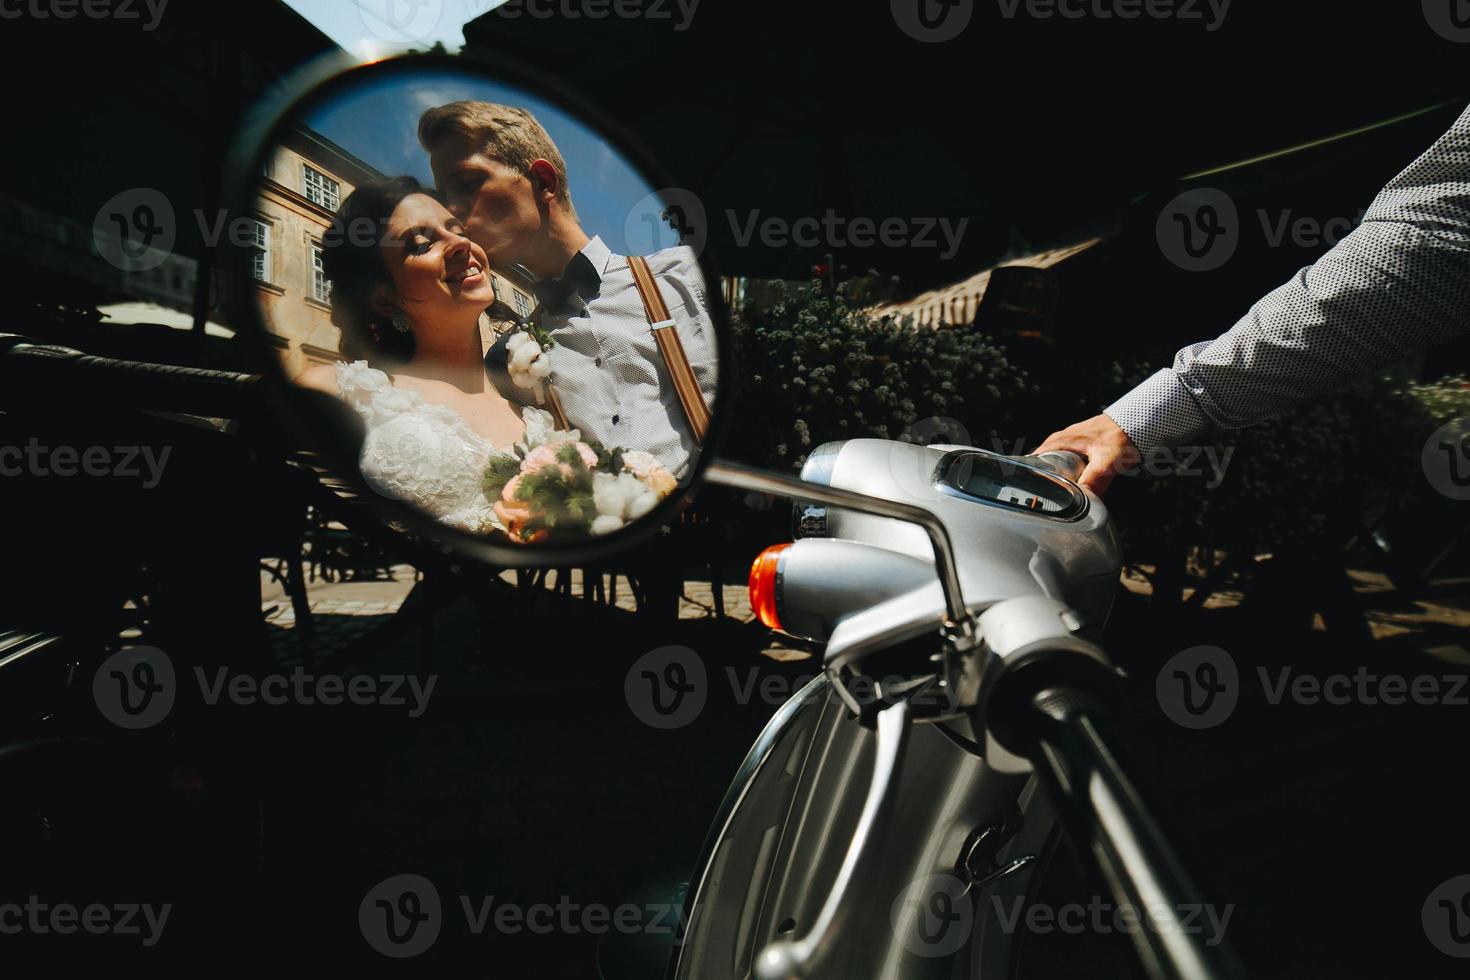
[(504, 178)]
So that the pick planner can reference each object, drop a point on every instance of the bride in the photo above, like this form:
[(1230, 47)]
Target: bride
[(408, 291)]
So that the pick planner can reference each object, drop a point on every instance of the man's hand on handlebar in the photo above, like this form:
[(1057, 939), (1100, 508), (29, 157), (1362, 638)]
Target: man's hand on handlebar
[(1104, 445)]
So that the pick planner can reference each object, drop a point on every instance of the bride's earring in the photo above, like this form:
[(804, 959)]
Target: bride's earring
[(400, 321)]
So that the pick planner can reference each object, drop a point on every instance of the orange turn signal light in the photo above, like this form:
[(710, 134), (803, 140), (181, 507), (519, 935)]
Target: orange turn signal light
[(763, 584)]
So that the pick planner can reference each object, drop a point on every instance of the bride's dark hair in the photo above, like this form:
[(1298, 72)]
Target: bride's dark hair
[(352, 260)]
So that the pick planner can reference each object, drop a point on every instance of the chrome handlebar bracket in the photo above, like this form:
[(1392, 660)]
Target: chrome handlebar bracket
[(958, 628), (945, 564)]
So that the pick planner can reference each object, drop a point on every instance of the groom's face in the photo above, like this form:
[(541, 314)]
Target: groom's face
[(498, 205)]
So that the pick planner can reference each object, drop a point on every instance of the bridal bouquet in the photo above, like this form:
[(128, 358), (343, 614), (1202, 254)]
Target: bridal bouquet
[(556, 482)]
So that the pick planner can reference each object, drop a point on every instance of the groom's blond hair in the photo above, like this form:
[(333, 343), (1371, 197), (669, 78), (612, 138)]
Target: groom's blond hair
[(505, 133)]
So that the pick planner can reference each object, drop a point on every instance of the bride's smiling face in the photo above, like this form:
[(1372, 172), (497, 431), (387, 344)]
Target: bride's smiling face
[(436, 271)]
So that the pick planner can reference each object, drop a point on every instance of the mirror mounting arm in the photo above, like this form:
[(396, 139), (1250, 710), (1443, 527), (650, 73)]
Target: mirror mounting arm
[(959, 624)]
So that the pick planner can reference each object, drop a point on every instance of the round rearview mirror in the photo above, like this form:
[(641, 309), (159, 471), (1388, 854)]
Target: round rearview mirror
[(483, 307)]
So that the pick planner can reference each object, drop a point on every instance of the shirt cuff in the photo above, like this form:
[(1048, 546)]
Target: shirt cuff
[(1159, 412)]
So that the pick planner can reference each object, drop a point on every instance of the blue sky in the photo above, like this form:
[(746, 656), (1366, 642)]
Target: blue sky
[(379, 122), (374, 28)]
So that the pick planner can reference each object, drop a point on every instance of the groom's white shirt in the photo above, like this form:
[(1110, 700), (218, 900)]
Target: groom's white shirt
[(606, 368)]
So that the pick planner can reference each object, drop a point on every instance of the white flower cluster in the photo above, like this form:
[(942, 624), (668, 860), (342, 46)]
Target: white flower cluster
[(630, 494), (620, 499), (541, 430), (528, 366), (641, 464)]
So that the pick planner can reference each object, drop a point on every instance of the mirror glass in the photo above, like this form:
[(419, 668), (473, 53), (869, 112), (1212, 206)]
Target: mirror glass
[(448, 254)]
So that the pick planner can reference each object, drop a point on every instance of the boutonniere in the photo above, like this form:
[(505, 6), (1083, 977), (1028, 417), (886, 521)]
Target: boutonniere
[(526, 358)]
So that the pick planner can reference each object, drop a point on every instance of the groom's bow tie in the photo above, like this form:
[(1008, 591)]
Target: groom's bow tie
[(579, 277)]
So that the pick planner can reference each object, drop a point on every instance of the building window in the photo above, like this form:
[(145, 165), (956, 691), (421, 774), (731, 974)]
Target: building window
[(319, 188), (260, 250), (321, 289), (523, 305)]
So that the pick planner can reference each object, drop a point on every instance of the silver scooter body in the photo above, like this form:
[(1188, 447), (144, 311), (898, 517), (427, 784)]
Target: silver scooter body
[(790, 816)]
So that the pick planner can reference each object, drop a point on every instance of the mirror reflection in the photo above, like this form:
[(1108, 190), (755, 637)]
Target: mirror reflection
[(445, 254)]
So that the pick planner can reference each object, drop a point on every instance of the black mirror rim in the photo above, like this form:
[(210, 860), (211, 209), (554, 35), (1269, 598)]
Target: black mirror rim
[(261, 133)]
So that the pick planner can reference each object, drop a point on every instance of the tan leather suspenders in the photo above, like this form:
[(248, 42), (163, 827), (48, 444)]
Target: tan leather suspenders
[(553, 405), (666, 333)]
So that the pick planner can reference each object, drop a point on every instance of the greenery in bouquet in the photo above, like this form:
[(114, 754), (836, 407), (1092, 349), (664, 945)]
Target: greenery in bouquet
[(555, 482)]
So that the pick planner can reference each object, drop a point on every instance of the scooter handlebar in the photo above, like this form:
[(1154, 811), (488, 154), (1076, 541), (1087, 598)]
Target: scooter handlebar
[(1064, 463)]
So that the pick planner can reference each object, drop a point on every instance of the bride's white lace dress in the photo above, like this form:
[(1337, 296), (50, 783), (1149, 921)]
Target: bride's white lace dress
[(424, 454)]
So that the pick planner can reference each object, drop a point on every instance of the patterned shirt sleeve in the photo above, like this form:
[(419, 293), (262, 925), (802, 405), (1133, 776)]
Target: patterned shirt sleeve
[(1397, 284)]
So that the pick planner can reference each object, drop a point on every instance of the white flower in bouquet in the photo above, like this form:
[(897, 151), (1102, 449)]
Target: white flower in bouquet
[(646, 467), (605, 524), (541, 431), (620, 499)]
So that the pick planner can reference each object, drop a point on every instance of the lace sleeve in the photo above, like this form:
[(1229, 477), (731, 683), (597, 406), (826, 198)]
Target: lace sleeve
[(357, 384), (423, 454)]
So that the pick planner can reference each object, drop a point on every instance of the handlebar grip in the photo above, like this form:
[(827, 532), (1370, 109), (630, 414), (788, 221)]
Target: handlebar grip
[(1067, 464), (1064, 463)]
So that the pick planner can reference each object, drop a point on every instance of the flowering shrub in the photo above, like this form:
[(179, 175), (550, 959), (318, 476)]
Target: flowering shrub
[(814, 368), (1314, 476)]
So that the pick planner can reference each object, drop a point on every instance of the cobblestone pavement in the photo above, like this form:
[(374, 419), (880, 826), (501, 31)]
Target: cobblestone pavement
[(341, 612), (1423, 620), (345, 611)]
